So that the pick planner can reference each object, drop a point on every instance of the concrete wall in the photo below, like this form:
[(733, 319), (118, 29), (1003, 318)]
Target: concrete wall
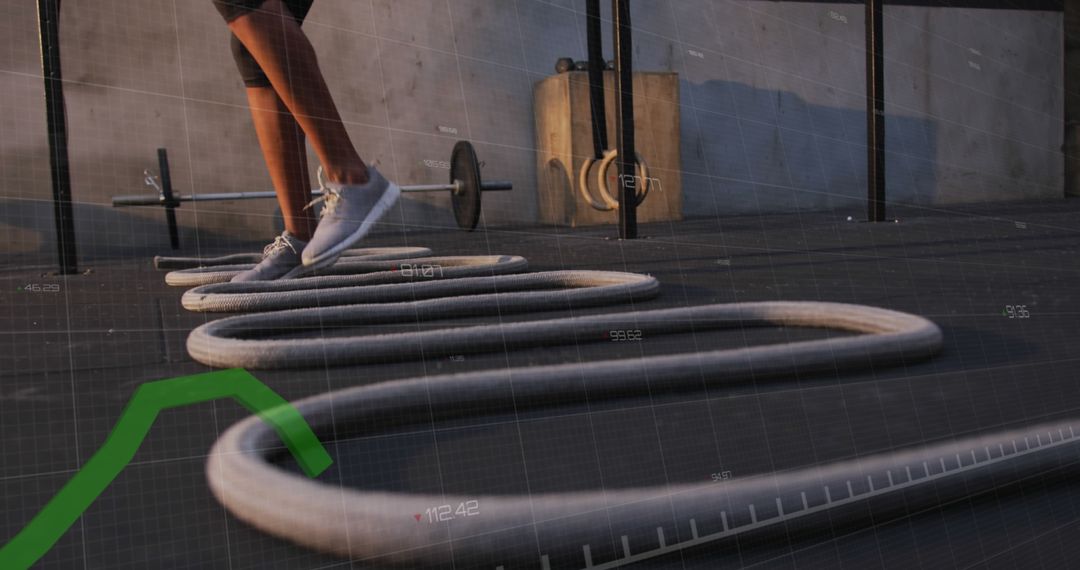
[(772, 116)]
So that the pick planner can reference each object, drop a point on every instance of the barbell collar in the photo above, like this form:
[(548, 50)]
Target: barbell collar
[(497, 186)]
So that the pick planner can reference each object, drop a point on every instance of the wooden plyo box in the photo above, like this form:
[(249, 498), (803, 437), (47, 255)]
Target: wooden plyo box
[(564, 142)]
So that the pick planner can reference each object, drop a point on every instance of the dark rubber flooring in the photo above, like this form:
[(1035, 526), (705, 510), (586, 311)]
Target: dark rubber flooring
[(73, 356)]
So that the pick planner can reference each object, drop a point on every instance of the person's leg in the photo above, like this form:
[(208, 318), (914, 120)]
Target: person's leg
[(284, 149), (272, 50), (280, 136), (275, 39)]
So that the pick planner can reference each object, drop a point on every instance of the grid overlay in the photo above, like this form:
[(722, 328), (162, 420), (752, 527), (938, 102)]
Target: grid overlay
[(75, 355)]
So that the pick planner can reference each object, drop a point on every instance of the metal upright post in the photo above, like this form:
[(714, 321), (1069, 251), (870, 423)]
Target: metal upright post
[(1072, 97), (624, 119), (875, 111), (170, 200), (49, 36), (595, 41)]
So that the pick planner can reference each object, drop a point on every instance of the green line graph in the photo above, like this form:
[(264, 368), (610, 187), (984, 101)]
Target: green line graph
[(138, 416)]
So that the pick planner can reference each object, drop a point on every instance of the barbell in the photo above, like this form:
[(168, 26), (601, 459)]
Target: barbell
[(465, 188)]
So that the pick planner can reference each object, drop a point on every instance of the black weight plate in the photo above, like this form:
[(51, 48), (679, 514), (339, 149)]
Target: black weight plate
[(465, 168)]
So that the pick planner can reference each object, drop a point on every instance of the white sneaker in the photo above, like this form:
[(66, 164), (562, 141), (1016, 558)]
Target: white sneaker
[(349, 212), (281, 259)]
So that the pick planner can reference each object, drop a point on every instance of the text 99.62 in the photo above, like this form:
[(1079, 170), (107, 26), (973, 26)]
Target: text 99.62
[(623, 335)]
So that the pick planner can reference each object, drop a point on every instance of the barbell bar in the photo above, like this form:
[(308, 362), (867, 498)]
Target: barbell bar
[(465, 187), (122, 201)]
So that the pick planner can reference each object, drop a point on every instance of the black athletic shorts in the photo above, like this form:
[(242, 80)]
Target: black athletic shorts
[(250, 70), (233, 9)]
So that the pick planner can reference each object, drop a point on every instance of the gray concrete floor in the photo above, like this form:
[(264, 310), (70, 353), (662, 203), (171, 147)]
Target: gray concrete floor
[(72, 359)]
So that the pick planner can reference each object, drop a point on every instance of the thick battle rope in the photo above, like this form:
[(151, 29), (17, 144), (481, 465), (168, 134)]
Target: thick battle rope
[(361, 524), (194, 271), (352, 282), (223, 342)]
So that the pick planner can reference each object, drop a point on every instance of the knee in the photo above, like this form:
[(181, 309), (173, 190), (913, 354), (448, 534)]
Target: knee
[(250, 71)]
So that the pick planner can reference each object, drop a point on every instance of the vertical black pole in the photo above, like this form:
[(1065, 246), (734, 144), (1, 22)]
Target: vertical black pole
[(875, 111), (624, 119), (1072, 98), (49, 36), (595, 40), (167, 193)]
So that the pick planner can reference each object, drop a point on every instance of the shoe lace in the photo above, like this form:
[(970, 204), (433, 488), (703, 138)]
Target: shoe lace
[(329, 199), (279, 244)]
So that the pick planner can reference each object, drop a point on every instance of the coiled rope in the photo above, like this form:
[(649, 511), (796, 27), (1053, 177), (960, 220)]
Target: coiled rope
[(224, 342), (361, 524), (353, 282), (194, 271)]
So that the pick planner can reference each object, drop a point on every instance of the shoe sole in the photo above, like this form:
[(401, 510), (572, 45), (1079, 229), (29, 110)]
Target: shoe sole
[(295, 272), (328, 257), (298, 272)]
